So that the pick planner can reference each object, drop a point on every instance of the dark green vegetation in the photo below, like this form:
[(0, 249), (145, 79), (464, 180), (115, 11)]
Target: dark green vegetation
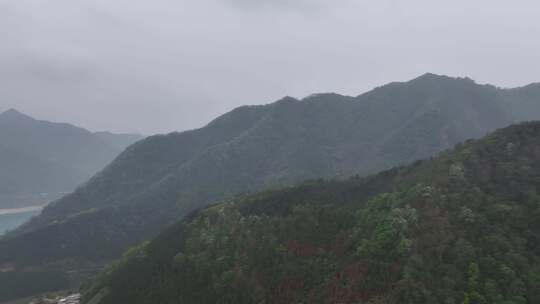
[(39, 160), (463, 227), (159, 180), (15, 285)]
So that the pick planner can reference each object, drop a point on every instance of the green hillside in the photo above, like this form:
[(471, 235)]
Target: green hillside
[(463, 227)]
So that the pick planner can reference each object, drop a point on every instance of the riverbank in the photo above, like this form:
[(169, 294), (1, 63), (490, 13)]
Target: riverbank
[(21, 210), (12, 218)]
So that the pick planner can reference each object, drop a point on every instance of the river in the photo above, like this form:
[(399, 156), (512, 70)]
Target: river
[(13, 218)]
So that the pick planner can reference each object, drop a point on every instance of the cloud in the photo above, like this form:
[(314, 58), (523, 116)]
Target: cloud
[(163, 65), (301, 5)]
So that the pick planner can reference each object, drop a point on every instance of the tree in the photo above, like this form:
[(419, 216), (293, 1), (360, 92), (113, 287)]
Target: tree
[(473, 296)]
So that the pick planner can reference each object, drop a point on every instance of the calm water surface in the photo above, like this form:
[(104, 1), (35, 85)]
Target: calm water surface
[(13, 218)]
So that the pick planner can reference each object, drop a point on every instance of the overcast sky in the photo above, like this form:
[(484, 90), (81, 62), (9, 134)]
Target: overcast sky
[(154, 66)]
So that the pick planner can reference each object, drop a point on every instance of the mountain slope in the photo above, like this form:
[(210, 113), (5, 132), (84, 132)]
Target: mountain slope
[(23, 173), (461, 228), (157, 181), (40, 157)]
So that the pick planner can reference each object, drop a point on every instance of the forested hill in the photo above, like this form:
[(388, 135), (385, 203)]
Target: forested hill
[(40, 159), (463, 227), (158, 180)]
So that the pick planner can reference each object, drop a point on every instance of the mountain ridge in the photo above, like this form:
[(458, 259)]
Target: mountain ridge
[(325, 98), (157, 181)]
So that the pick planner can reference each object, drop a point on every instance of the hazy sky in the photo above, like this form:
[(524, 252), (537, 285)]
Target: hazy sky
[(162, 65)]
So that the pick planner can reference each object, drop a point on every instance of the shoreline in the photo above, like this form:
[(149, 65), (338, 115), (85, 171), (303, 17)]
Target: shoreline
[(21, 210)]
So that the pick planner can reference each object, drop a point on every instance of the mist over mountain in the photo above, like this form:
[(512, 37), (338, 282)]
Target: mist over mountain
[(119, 141), (157, 181), (41, 160)]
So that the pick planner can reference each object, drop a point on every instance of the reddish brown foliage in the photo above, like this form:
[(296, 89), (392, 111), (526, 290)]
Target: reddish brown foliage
[(344, 286), (286, 290), (302, 250)]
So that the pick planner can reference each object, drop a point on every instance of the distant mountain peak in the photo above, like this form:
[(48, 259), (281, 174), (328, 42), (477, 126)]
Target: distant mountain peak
[(287, 99), (11, 111), (432, 75), (13, 114), (437, 77)]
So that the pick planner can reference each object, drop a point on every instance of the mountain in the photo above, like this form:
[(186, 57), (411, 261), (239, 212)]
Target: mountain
[(463, 227), (42, 159), (157, 181)]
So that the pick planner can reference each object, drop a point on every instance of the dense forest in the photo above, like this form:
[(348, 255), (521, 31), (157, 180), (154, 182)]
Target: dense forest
[(463, 227), (157, 181)]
